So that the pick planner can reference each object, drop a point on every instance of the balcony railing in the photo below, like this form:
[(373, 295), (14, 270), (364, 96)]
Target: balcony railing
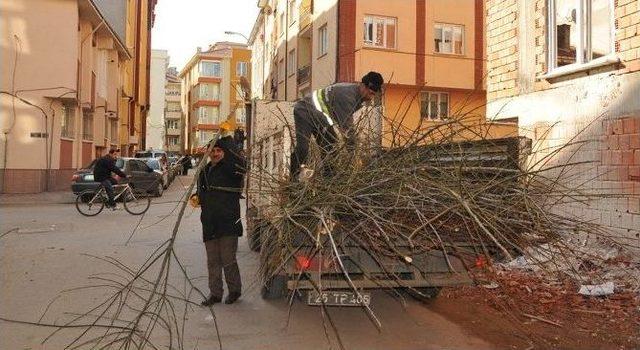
[(304, 74)]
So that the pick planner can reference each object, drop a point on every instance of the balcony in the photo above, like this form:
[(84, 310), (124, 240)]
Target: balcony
[(304, 75), (172, 98), (172, 114), (173, 132)]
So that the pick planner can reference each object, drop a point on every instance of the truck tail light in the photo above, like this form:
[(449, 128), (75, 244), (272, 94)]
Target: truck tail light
[(303, 262), (75, 177)]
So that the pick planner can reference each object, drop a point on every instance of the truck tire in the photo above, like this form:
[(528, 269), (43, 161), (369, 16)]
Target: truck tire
[(275, 288)]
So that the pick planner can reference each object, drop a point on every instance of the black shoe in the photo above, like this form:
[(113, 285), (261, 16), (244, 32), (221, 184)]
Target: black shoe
[(232, 298), (212, 299)]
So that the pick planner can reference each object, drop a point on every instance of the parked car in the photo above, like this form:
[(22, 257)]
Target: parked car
[(150, 154), (143, 177), (156, 165)]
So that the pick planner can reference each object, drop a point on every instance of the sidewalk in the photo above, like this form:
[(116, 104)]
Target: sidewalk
[(44, 198)]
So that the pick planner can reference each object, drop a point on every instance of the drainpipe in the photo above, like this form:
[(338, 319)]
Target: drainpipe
[(336, 79), (286, 48)]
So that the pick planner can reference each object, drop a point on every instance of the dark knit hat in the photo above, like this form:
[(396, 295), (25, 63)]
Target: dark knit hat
[(373, 80)]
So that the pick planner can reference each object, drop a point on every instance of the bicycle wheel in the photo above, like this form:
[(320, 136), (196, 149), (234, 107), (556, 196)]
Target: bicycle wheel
[(94, 205), (135, 204)]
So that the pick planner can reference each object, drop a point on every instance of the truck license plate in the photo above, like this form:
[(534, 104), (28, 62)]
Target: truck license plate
[(338, 298)]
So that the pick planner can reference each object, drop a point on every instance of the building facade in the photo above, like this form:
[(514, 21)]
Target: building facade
[(74, 85), (156, 119), (431, 54), (173, 116), (569, 71), (213, 92)]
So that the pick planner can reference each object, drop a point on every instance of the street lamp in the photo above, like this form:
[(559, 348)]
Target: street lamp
[(228, 32)]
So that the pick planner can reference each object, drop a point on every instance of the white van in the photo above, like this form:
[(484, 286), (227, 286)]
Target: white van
[(150, 154)]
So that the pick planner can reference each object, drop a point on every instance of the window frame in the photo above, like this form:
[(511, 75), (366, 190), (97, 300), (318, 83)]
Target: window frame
[(292, 12), (67, 124), (584, 40), (373, 19), (451, 25), (439, 102), (291, 63), (200, 69), (282, 73), (240, 72), (323, 39)]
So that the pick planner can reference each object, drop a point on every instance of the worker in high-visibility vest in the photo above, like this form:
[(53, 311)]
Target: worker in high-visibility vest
[(327, 114)]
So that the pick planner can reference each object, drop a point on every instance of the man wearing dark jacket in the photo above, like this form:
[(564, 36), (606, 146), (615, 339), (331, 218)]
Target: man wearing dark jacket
[(102, 173), (327, 114), (219, 189)]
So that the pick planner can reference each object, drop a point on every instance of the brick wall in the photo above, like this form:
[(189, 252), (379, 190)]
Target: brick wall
[(627, 21), (502, 41)]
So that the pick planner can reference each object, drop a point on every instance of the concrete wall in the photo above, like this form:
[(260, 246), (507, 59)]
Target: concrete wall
[(38, 62), (155, 119), (323, 68)]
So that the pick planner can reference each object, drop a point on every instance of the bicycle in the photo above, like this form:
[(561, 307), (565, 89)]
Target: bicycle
[(91, 203)]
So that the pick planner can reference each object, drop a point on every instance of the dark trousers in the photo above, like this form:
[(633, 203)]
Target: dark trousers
[(310, 122), (108, 187), (221, 255)]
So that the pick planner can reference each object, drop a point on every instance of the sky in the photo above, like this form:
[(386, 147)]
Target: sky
[(183, 25)]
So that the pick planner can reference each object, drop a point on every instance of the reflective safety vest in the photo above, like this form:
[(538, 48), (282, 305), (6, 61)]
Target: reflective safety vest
[(320, 103)]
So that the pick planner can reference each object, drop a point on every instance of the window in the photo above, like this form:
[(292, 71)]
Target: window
[(323, 40), (208, 115), (204, 137), (208, 91), (281, 71), (380, 32), (210, 69), (241, 115), (293, 12), (282, 24), (87, 125), (579, 31), (173, 124), (291, 62), (448, 38), (172, 140), (242, 69), (434, 105), (136, 165), (114, 130), (68, 120)]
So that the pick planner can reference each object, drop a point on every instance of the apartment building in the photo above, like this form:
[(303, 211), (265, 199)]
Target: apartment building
[(76, 81), (213, 92), (430, 52), (155, 124), (567, 71), (173, 116)]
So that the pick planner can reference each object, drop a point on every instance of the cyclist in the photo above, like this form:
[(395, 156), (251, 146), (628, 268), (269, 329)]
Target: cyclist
[(102, 174)]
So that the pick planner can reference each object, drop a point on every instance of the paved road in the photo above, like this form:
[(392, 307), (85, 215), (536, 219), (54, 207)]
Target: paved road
[(49, 254)]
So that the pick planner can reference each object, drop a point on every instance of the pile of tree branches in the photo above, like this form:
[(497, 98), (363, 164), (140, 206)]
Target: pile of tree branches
[(452, 191)]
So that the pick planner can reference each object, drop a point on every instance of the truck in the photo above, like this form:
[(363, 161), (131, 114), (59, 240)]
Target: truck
[(270, 144)]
